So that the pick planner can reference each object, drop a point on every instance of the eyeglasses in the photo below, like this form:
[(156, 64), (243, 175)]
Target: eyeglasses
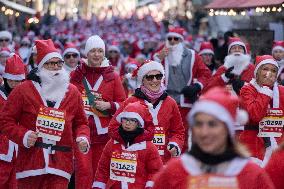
[(6, 40), (129, 120), (173, 38), (151, 77), (68, 56), (52, 64)]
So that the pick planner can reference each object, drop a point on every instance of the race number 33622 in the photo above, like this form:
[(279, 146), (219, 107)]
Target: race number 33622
[(50, 123)]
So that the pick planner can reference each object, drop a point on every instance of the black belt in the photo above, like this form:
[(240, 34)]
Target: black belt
[(53, 147)]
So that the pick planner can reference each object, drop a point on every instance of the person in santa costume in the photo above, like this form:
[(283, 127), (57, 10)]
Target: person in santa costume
[(275, 166), (40, 117), (185, 73), (278, 55), (127, 163), (115, 59), (71, 57), (206, 51), (5, 38), (263, 99), (4, 55), (14, 74), (102, 91), (169, 129), (236, 70), (216, 158)]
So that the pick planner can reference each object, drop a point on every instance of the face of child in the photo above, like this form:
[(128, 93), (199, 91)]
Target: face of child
[(129, 124)]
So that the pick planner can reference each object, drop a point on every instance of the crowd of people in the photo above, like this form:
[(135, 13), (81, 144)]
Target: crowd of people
[(131, 108)]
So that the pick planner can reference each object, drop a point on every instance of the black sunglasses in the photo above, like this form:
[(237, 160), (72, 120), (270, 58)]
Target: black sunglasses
[(69, 55), (151, 77), (6, 40), (173, 38)]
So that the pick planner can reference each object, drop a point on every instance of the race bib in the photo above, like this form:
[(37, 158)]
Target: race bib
[(123, 166), (208, 181), (50, 123), (272, 124), (160, 139)]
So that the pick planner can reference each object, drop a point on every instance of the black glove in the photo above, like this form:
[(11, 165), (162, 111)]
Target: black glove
[(191, 92), (228, 73), (237, 85)]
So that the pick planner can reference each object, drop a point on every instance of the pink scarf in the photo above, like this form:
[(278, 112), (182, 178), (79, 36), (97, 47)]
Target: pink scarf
[(153, 96)]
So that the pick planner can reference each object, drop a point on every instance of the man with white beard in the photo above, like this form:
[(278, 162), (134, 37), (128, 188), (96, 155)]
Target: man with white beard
[(185, 73), (236, 70), (44, 115)]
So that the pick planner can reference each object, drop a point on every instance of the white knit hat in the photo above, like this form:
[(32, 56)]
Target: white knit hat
[(94, 42), (5, 34)]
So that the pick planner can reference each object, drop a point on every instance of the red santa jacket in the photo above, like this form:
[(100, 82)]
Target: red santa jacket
[(7, 147), (167, 120), (19, 117), (256, 100), (218, 80), (106, 82), (178, 173), (275, 168), (116, 160)]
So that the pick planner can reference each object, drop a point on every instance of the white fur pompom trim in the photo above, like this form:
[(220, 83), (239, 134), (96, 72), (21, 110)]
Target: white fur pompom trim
[(149, 105), (242, 117)]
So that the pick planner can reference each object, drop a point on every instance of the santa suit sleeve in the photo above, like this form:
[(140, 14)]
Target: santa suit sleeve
[(255, 101), (102, 173), (10, 115), (153, 163), (176, 129), (201, 74), (217, 79)]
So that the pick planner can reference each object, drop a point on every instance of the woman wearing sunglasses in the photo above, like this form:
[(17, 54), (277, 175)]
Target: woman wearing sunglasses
[(215, 160), (71, 57), (169, 130)]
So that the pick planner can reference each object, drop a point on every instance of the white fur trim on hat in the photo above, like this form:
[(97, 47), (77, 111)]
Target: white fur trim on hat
[(143, 70), (237, 43), (206, 51), (113, 48), (130, 115), (5, 53), (48, 57), (94, 42), (173, 34), (214, 109), (266, 61), (71, 50), (14, 77), (277, 48), (5, 34)]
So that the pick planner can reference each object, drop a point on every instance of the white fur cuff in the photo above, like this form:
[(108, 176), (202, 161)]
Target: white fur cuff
[(25, 139), (224, 78)]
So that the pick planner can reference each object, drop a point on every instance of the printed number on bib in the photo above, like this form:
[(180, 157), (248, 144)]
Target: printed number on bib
[(272, 124), (160, 139), (208, 181), (123, 166), (50, 123)]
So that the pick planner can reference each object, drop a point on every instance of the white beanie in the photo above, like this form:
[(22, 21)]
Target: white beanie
[(94, 42), (6, 34)]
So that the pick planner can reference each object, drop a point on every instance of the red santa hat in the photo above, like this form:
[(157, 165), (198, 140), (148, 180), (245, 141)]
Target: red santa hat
[(114, 47), (264, 59), (145, 67), (5, 34), (176, 32), (206, 48), (4, 51), (70, 48), (221, 104), (14, 69), (46, 51), (278, 45), (236, 41), (94, 42), (135, 110)]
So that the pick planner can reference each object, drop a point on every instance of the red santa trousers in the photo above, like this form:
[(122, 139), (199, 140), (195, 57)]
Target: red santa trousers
[(47, 181), (183, 113), (97, 150), (8, 175)]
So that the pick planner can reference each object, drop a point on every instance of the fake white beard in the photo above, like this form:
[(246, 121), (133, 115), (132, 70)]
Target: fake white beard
[(54, 84), (239, 61), (175, 54)]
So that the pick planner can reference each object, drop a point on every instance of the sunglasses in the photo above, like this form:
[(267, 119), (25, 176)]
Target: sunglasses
[(151, 77), (52, 64), (173, 38), (6, 40), (68, 56)]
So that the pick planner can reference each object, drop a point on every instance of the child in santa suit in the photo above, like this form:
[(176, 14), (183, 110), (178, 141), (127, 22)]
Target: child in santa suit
[(215, 158), (127, 163)]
